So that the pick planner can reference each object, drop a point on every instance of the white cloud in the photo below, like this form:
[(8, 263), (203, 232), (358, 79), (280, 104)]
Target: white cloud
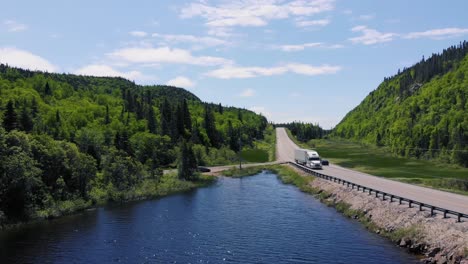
[(25, 59), (181, 81), (253, 13), (203, 41), (235, 72), (140, 34), (261, 110), (438, 33), (312, 23), (148, 55), (14, 26), (300, 47), (371, 36), (107, 71), (305, 69), (247, 93)]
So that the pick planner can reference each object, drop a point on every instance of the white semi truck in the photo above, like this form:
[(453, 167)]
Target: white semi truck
[(309, 158)]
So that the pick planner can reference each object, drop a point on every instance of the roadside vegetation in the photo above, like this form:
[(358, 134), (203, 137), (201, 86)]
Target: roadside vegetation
[(235, 172), (379, 161), (268, 143)]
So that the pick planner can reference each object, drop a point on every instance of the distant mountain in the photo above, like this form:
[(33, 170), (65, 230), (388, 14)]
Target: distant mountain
[(422, 111)]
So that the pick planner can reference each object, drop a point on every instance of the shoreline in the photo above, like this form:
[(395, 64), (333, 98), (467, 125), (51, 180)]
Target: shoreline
[(435, 239), (204, 181)]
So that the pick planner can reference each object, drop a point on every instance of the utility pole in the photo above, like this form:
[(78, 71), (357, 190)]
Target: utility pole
[(240, 149)]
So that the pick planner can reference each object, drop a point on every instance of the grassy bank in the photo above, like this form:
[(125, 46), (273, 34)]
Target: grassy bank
[(239, 173), (379, 161), (149, 189), (290, 176)]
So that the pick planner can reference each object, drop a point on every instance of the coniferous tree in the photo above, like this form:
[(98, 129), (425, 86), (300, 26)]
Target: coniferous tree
[(233, 137), (166, 116), (187, 162), (34, 107), (47, 89), (187, 117), (151, 120), (180, 122), (210, 127), (10, 119), (26, 120), (239, 115), (58, 119), (107, 118)]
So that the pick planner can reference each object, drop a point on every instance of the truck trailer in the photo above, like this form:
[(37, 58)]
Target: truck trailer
[(307, 157)]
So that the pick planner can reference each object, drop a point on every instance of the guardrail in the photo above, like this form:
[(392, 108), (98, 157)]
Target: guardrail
[(381, 194)]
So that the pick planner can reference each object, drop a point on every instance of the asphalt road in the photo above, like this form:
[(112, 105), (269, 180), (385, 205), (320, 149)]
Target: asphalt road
[(285, 152)]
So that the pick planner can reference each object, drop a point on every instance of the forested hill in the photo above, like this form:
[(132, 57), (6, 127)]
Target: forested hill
[(422, 111), (67, 138)]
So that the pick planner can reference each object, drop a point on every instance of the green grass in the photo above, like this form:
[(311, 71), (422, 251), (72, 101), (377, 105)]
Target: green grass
[(380, 162), (244, 172), (268, 144), (254, 155)]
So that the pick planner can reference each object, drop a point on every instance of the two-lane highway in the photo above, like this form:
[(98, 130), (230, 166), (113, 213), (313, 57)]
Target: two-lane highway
[(285, 152)]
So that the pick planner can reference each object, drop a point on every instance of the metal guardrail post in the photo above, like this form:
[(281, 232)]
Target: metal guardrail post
[(410, 203), (432, 210)]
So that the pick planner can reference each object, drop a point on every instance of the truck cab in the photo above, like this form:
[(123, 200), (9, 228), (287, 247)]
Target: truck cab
[(314, 161)]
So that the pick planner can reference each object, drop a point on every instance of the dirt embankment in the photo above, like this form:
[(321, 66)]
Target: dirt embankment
[(437, 239)]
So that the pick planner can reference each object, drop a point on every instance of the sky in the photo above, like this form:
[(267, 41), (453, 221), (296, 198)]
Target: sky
[(291, 60)]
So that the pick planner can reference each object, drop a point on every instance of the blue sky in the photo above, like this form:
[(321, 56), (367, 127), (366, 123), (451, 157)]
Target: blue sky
[(291, 60)]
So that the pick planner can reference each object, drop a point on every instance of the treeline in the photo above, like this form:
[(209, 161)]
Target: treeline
[(410, 79), (420, 112), (80, 139), (305, 131)]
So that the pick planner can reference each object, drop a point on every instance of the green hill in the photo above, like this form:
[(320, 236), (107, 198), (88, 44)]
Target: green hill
[(422, 111), (67, 141)]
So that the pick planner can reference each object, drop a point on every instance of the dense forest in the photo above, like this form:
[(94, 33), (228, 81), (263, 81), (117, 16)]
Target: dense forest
[(68, 141), (421, 112), (305, 131)]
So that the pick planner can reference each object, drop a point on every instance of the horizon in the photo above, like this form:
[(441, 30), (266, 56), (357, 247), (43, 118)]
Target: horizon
[(289, 60)]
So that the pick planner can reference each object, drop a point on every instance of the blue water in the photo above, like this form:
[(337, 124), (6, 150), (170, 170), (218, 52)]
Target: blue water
[(251, 220)]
